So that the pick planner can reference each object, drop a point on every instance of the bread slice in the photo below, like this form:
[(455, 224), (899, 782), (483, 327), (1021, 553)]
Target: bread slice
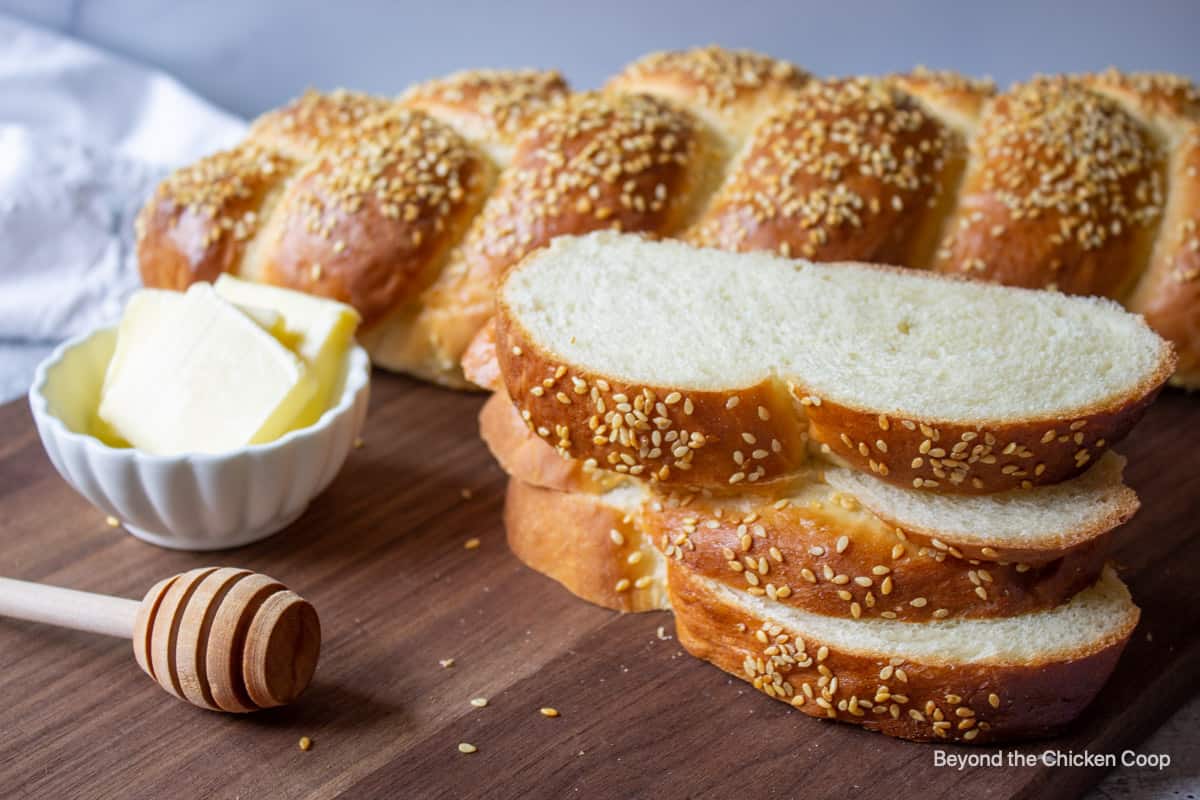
[(963, 680), (529, 459), (479, 364), (1026, 529), (593, 544), (1023, 526), (819, 550), (828, 556), (699, 367)]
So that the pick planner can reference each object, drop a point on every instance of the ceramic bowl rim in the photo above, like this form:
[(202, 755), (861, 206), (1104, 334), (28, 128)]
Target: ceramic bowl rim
[(357, 379)]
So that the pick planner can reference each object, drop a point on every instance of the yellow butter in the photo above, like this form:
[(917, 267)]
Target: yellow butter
[(323, 330), (191, 373)]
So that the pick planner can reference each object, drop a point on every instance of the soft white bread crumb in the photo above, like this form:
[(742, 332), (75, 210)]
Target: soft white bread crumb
[(901, 342), (1093, 619), (1043, 518)]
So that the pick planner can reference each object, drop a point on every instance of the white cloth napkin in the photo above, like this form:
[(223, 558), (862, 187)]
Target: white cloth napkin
[(84, 138)]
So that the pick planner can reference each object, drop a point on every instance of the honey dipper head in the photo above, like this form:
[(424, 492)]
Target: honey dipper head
[(227, 639)]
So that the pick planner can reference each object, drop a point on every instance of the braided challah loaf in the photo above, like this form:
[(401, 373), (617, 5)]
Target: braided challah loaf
[(410, 209)]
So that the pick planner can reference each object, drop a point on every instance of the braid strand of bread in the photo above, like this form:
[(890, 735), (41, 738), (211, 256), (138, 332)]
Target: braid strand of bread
[(410, 209)]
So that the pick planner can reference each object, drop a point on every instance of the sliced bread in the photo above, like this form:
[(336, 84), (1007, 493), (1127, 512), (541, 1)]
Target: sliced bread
[(978, 680), (827, 556), (698, 367), (1025, 528), (593, 544), (819, 550), (528, 458)]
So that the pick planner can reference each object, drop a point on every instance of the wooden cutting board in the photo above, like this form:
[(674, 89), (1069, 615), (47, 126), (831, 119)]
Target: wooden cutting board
[(381, 556)]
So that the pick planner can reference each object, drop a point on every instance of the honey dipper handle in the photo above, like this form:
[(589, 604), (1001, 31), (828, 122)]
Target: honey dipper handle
[(67, 608)]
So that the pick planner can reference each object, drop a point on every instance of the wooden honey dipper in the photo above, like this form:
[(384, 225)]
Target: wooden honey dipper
[(221, 638)]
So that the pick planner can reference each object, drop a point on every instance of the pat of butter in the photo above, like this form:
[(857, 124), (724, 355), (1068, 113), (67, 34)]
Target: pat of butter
[(322, 331), (192, 373)]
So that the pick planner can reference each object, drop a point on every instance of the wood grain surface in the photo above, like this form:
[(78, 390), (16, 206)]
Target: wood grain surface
[(381, 555)]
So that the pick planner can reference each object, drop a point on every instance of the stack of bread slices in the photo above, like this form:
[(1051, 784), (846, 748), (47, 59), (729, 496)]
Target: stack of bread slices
[(881, 496)]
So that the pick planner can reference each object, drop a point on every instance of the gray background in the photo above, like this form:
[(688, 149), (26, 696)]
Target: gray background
[(249, 56)]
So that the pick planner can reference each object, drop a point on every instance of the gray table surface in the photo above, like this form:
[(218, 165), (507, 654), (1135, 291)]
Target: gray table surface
[(250, 56)]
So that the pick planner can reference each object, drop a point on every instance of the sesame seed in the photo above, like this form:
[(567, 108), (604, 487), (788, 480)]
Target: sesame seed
[(466, 747), (112, 521), (447, 663), (471, 544), (548, 712), (305, 743)]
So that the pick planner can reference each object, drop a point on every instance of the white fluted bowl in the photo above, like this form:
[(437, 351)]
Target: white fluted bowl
[(196, 501)]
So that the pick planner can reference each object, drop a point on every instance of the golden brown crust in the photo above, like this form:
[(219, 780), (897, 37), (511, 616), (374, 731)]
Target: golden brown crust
[(956, 458), (820, 551), (1169, 293), (829, 556), (849, 170), (373, 216), (595, 550), (529, 458), (1120, 504), (488, 106), (729, 89), (719, 440), (1116, 148), (591, 163), (479, 364), (955, 98), (202, 218), (1158, 95), (315, 120), (726, 440), (1063, 190), (973, 703)]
